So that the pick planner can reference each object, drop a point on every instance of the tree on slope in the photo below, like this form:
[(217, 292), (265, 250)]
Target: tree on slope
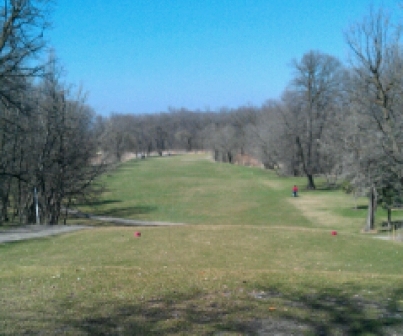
[(376, 92), (312, 99)]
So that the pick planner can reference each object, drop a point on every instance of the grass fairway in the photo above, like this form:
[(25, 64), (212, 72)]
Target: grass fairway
[(193, 190), (251, 261)]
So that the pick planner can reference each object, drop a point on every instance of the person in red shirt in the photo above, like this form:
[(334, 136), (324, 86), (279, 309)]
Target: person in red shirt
[(295, 191)]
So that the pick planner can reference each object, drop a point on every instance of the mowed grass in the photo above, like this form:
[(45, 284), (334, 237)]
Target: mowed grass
[(250, 259), (193, 190)]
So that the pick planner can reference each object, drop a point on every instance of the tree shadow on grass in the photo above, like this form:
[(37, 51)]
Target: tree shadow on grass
[(360, 207), (123, 213), (172, 314), (127, 212), (97, 203), (327, 312), (325, 187), (337, 311)]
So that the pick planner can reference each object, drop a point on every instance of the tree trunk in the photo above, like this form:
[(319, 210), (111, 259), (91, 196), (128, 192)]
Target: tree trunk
[(311, 182), (389, 217), (372, 200), (309, 175), (229, 157)]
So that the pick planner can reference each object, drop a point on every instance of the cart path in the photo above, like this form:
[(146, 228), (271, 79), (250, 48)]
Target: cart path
[(36, 231), (39, 231), (131, 222)]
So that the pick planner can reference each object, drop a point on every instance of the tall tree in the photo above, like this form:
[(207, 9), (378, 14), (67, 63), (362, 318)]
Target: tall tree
[(376, 92), (377, 86), (22, 25), (313, 95)]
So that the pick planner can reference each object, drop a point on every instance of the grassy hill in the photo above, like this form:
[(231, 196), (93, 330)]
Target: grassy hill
[(251, 259)]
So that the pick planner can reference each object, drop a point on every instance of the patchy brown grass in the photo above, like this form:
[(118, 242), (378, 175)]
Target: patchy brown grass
[(320, 209)]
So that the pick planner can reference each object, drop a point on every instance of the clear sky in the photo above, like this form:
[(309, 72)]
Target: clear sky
[(144, 56)]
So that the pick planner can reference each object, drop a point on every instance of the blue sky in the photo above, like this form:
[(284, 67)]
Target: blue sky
[(144, 56)]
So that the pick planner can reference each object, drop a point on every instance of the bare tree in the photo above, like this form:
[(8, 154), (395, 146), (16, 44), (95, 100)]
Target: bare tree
[(118, 135), (49, 151), (376, 91), (376, 82), (312, 98)]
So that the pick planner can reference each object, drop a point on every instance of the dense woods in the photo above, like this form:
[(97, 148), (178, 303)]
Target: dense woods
[(341, 121)]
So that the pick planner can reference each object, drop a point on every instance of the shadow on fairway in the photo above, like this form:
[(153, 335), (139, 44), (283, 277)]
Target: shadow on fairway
[(360, 207), (127, 212), (324, 188), (339, 311), (328, 312), (174, 314), (98, 203)]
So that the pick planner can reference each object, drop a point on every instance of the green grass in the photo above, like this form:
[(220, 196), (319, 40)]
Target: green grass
[(251, 256), (192, 190)]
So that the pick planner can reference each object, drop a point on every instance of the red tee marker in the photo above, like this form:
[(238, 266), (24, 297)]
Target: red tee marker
[(137, 234), (334, 233)]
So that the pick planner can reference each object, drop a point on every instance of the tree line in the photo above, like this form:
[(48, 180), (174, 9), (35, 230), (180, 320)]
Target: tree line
[(341, 121)]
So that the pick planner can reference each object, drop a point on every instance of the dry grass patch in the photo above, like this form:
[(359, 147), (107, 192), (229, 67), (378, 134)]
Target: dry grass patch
[(276, 185), (320, 209), (312, 207)]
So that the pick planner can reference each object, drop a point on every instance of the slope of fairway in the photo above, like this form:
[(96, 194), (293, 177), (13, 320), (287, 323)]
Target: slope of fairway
[(192, 189)]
